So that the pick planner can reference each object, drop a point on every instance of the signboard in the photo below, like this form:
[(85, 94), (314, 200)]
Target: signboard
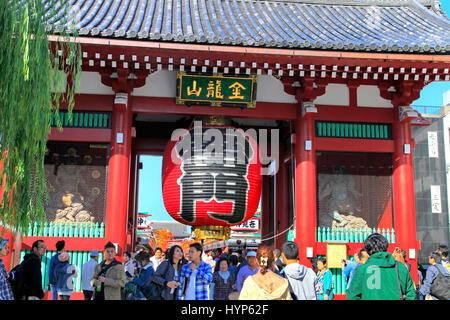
[(249, 225), (144, 222), (433, 151), (216, 90), (436, 199), (336, 252), (210, 232)]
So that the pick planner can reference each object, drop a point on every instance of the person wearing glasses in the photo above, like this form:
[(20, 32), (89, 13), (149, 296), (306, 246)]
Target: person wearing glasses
[(32, 271)]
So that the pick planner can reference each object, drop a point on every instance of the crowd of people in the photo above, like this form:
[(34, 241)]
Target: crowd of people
[(265, 274)]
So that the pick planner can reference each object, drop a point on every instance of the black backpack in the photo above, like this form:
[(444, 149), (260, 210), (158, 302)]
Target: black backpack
[(440, 288), (17, 281)]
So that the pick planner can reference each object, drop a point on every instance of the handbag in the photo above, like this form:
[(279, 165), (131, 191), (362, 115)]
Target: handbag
[(440, 288), (158, 287)]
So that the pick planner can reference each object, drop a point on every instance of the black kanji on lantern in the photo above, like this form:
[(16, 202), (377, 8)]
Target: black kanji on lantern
[(218, 173)]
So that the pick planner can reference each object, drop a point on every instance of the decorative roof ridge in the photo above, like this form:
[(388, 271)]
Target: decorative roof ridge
[(384, 3), (442, 20), (434, 5)]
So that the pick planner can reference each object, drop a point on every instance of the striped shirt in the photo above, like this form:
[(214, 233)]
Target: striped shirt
[(202, 280)]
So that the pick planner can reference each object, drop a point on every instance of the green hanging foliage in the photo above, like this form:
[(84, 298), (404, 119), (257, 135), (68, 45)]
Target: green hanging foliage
[(36, 76)]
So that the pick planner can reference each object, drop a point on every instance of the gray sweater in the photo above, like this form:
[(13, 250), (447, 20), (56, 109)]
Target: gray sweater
[(303, 282)]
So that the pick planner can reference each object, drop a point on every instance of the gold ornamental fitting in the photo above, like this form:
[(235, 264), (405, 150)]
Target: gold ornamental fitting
[(211, 232), (213, 120)]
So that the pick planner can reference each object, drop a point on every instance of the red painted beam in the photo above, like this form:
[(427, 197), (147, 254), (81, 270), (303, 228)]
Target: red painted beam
[(72, 244), (358, 114), (80, 135), (263, 110), (192, 49), (149, 146), (85, 102), (354, 145)]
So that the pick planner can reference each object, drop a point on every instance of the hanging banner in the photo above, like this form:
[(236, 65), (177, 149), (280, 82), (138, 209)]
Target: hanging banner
[(336, 252), (144, 222), (216, 90), (249, 225), (436, 199), (433, 151)]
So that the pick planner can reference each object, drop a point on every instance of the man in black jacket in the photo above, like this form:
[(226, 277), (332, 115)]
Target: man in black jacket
[(32, 271)]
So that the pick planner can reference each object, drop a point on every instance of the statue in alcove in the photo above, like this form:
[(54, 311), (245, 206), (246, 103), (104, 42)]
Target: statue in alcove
[(72, 197), (338, 190)]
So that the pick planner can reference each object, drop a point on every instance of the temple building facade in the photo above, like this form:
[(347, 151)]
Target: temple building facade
[(333, 79)]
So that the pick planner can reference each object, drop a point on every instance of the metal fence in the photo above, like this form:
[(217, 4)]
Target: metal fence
[(352, 234), (72, 229), (83, 119)]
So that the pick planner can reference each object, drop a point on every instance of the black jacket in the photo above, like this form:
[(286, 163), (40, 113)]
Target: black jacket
[(163, 274), (32, 276)]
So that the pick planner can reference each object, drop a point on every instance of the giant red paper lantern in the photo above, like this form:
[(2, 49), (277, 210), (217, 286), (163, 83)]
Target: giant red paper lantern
[(203, 186)]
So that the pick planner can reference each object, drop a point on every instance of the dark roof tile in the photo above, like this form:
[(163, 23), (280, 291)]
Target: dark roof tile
[(364, 25)]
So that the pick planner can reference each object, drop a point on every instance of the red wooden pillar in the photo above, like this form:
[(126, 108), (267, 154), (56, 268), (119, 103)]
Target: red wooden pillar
[(132, 200), (119, 173), (403, 191), (282, 204), (305, 182), (265, 208)]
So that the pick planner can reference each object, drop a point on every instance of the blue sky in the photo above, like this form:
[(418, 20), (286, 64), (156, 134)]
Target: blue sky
[(446, 6), (432, 95), (150, 193)]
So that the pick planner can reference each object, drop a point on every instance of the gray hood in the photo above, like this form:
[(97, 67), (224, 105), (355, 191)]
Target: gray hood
[(303, 283), (296, 271)]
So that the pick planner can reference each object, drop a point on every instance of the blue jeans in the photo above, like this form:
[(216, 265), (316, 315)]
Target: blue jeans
[(54, 293)]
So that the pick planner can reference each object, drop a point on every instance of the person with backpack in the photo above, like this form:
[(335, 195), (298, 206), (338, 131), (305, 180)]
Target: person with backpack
[(381, 277), (64, 275), (32, 275), (6, 292), (60, 248), (146, 289), (443, 250), (437, 278), (325, 280), (303, 283), (109, 276), (168, 273)]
